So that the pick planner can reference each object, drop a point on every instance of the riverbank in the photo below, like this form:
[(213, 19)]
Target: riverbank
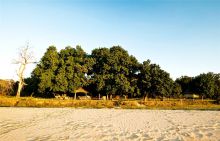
[(172, 104), (19, 124)]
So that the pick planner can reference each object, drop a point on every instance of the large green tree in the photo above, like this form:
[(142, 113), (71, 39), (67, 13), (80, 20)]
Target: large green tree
[(114, 72), (161, 83), (100, 70), (205, 84), (76, 69), (144, 80), (121, 64), (44, 73), (134, 69), (177, 90), (62, 72), (154, 82), (186, 84)]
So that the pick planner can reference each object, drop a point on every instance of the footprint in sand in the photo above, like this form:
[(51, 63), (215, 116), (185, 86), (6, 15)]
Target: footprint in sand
[(146, 137), (209, 134), (133, 136)]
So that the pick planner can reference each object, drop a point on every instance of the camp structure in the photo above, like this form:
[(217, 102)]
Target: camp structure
[(80, 90), (191, 96)]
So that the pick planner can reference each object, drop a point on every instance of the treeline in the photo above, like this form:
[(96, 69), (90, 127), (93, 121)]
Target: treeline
[(206, 85), (111, 72)]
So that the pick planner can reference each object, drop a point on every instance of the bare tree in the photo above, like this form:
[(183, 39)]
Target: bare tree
[(25, 58)]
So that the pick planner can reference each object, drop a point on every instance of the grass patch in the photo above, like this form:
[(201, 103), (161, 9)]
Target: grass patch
[(173, 104), (40, 102)]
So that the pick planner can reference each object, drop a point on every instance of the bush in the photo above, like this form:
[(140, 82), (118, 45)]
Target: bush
[(6, 87)]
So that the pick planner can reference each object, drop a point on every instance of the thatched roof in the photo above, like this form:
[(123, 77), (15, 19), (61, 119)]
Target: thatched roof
[(81, 90)]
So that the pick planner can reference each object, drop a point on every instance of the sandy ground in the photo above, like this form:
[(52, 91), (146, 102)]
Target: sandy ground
[(39, 124)]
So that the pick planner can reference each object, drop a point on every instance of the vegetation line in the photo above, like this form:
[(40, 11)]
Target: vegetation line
[(109, 73), (174, 104)]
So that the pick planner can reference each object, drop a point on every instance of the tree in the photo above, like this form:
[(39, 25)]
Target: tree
[(100, 70), (25, 58), (217, 86), (64, 67), (144, 80), (76, 68), (161, 83), (177, 90), (114, 72), (205, 84), (119, 62), (186, 83), (45, 72), (134, 70), (62, 72), (30, 89)]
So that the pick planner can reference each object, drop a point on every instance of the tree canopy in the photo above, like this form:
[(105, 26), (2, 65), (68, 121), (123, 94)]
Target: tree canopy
[(205, 84), (114, 71), (110, 72)]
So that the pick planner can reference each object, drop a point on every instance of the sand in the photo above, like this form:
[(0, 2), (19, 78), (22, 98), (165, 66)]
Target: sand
[(63, 124)]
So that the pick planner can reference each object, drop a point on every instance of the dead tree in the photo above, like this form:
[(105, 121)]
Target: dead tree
[(25, 58)]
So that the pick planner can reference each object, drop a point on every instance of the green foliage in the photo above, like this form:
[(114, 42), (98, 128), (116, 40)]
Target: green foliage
[(207, 85), (177, 90), (186, 84), (45, 71), (153, 81), (30, 89), (114, 71), (99, 73), (62, 72), (144, 81), (217, 87), (111, 71)]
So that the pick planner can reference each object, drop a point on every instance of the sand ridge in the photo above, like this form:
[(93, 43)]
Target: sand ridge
[(52, 124)]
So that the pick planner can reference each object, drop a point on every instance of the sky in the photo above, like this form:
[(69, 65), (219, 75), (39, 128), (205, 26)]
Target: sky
[(182, 36)]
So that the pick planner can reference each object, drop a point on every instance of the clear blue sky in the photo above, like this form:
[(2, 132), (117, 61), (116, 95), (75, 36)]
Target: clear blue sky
[(182, 36)]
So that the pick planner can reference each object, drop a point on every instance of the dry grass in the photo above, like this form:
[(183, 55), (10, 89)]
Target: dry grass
[(40, 102), (181, 104), (125, 104)]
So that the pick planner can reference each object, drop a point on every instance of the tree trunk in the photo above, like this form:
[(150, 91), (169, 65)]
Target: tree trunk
[(75, 96), (99, 96), (19, 89), (145, 98), (21, 80)]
